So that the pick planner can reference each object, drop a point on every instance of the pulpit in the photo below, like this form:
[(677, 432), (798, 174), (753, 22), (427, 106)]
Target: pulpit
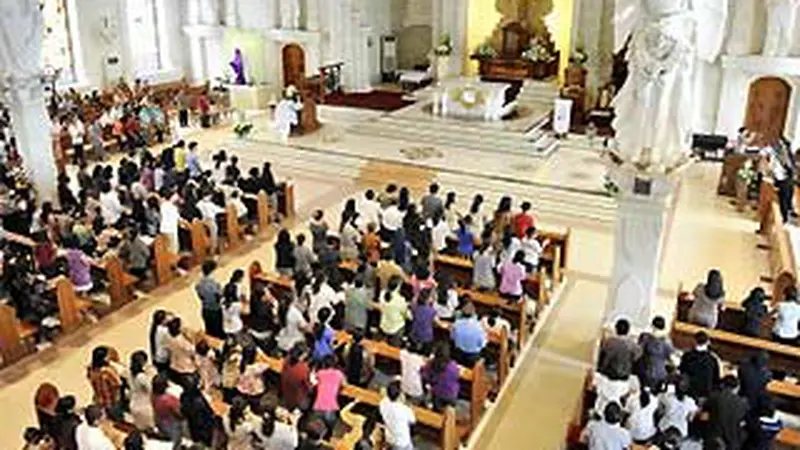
[(575, 90), (294, 73)]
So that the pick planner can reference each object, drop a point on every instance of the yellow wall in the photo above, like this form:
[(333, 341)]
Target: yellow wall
[(482, 19), (562, 32)]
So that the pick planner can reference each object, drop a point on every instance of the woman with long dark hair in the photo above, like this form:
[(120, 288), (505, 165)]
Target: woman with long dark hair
[(158, 340), (441, 374), (323, 337), (359, 363), (141, 406), (709, 298), (232, 304), (251, 376), (284, 253), (295, 385)]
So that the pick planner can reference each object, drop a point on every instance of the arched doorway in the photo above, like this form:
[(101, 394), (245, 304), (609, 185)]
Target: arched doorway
[(768, 106), (294, 64)]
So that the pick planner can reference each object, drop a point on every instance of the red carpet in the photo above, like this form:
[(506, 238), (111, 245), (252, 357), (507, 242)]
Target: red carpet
[(379, 100)]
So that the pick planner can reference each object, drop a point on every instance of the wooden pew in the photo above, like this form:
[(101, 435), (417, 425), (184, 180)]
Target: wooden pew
[(233, 231), (731, 317), (120, 283), (461, 270), (165, 261), (70, 306), (557, 252), (445, 422), (783, 271), (258, 207), (199, 239), (516, 313), (475, 377), (734, 347), (16, 337), (286, 204)]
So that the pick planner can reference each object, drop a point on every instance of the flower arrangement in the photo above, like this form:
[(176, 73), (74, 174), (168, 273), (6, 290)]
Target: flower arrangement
[(747, 173), (485, 51), (243, 130), (579, 56), (610, 186), (538, 52), (445, 46)]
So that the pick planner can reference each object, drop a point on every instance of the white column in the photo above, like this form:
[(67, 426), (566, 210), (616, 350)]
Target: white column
[(196, 59), (638, 243), (32, 129), (312, 15), (707, 91)]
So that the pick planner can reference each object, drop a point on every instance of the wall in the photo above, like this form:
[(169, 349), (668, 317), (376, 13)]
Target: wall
[(92, 48), (483, 18), (411, 24)]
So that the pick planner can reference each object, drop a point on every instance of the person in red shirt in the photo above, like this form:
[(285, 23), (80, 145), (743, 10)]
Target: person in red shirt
[(204, 107), (295, 381), (523, 220), (167, 410)]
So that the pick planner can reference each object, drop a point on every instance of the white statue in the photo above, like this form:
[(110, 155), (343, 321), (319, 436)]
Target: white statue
[(290, 14), (21, 25), (654, 108), (781, 22), (287, 114)]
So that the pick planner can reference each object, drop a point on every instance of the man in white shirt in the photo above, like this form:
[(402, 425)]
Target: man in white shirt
[(88, 434), (77, 132), (397, 417), (533, 249), (209, 210), (392, 219), (782, 166), (786, 329), (170, 220), (110, 207), (369, 209)]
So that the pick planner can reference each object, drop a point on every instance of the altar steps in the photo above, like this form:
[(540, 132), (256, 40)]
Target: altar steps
[(459, 135)]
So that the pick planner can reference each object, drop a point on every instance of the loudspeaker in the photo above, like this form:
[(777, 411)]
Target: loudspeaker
[(388, 55)]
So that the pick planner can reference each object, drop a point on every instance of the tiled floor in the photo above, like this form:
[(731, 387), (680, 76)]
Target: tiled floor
[(706, 232)]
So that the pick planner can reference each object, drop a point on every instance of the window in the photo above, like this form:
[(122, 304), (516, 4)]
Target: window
[(145, 32), (57, 48)]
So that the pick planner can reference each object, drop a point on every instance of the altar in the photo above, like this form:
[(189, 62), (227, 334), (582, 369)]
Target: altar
[(475, 100), (248, 98)]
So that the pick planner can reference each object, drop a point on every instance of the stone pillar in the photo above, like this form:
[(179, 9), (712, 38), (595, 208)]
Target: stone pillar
[(594, 32), (707, 91), (32, 129), (638, 244), (312, 15)]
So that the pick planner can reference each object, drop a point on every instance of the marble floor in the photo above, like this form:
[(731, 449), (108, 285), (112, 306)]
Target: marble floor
[(332, 165)]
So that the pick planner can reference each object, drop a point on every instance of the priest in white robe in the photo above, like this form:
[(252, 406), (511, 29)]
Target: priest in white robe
[(287, 115)]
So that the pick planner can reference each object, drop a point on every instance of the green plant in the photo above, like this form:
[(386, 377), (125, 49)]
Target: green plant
[(243, 130), (485, 51), (538, 52), (579, 56), (445, 46), (610, 186)]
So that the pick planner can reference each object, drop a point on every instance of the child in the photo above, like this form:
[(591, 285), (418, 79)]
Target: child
[(371, 244), (323, 337), (397, 417), (206, 362), (411, 364), (319, 231), (466, 239)]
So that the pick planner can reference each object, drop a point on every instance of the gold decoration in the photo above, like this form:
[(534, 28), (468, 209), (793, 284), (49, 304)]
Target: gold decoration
[(468, 97)]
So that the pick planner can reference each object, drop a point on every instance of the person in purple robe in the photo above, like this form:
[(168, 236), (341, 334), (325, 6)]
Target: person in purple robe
[(238, 67)]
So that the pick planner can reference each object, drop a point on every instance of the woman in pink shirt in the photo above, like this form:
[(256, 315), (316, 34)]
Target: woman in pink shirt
[(421, 280), (328, 380), (512, 274)]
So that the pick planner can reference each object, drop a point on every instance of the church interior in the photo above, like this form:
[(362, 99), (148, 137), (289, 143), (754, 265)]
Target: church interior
[(399, 224)]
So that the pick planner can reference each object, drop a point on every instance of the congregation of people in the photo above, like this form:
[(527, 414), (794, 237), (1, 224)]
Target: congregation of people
[(173, 392), (649, 393)]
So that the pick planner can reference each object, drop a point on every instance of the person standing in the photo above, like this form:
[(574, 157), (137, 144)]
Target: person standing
[(700, 367), (726, 414), (397, 417), (787, 318), (783, 169), (77, 134), (469, 337), (209, 292), (182, 102), (88, 435)]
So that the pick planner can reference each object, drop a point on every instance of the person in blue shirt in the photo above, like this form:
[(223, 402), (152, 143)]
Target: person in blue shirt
[(466, 239), (469, 337), (193, 161), (323, 337)]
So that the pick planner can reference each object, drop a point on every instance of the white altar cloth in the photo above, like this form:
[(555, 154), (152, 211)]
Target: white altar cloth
[(475, 100)]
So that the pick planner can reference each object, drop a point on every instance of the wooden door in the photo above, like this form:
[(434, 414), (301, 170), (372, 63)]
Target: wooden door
[(294, 65), (767, 106)]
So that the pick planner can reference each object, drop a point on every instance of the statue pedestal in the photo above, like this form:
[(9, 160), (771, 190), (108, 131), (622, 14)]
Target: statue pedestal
[(441, 67), (643, 208), (247, 98)]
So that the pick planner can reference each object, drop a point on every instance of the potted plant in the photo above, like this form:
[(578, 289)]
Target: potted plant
[(540, 55), (745, 177), (243, 130), (485, 51), (441, 57)]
